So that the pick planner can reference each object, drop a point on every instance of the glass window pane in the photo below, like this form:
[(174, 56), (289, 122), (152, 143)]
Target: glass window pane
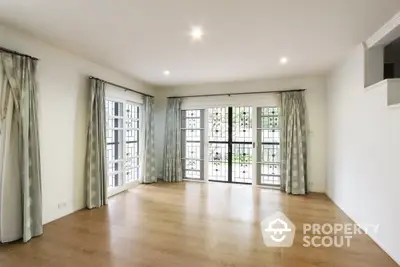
[(114, 145), (132, 142), (218, 162), (193, 135), (113, 108), (242, 163), (192, 143), (242, 130), (218, 124), (122, 137), (193, 150), (269, 146)]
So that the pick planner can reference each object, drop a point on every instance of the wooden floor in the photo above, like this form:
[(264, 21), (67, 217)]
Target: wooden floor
[(188, 225)]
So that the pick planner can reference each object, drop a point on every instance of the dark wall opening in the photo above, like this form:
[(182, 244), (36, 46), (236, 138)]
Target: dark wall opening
[(392, 60)]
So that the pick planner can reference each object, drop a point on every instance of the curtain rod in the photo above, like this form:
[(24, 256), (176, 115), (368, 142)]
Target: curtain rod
[(16, 53), (120, 86), (244, 93)]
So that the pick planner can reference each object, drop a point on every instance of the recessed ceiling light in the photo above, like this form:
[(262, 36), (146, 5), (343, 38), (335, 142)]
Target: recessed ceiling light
[(196, 33), (283, 60), (167, 73)]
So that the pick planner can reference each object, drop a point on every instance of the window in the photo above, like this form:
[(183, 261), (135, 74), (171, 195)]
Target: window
[(192, 144), (132, 133), (123, 143), (230, 137), (232, 143), (268, 148), (242, 144), (114, 132), (218, 144)]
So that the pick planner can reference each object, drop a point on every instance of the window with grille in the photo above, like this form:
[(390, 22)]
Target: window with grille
[(268, 148), (232, 144), (218, 144), (242, 144), (193, 144), (122, 138), (132, 131)]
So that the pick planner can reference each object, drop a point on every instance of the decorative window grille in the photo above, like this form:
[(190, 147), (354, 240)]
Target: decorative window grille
[(268, 149), (193, 144), (242, 145), (236, 152), (218, 140)]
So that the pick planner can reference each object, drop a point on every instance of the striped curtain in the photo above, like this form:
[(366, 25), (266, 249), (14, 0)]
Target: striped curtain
[(96, 171), (172, 167), (294, 143), (20, 175), (148, 158)]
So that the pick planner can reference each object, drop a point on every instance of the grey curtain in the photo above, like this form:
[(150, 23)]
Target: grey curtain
[(294, 143), (20, 177), (96, 171), (148, 157), (172, 167)]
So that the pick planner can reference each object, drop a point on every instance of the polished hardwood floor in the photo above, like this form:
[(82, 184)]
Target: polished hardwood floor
[(188, 225)]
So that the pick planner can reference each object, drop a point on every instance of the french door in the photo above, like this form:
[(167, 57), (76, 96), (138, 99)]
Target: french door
[(232, 145), (123, 144)]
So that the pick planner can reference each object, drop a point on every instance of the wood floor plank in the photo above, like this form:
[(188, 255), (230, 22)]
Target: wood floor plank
[(190, 224)]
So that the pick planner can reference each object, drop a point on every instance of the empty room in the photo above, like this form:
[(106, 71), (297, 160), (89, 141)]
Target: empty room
[(199, 133)]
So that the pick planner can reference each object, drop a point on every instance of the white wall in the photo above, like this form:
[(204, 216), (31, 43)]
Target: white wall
[(316, 102), (63, 95), (374, 61), (363, 145)]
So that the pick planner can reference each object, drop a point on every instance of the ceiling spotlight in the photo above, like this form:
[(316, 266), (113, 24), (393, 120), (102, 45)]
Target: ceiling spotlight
[(283, 60), (197, 33), (167, 73)]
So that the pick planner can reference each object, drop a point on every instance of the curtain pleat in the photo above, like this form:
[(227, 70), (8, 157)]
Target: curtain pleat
[(96, 171), (294, 143), (20, 185), (148, 157), (172, 167)]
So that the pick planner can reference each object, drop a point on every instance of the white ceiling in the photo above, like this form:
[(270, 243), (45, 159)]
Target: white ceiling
[(244, 38)]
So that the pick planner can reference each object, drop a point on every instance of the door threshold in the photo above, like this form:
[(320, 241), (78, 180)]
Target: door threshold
[(222, 182)]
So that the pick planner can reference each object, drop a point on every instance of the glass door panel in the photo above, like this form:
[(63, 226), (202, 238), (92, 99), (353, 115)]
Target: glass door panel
[(132, 134), (114, 140), (192, 144), (242, 145), (218, 144), (122, 144), (268, 148), (230, 144)]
